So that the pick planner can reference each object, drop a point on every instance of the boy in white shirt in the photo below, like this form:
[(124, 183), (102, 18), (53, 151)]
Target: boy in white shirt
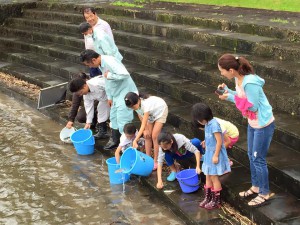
[(126, 140)]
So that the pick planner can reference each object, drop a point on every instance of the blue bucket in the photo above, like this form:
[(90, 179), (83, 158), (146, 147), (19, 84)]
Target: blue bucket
[(188, 180), (116, 178), (135, 162), (83, 141)]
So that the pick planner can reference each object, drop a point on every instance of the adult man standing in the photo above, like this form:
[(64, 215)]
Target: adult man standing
[(91, 17), (118, 83), (96, 23), (103, 43)]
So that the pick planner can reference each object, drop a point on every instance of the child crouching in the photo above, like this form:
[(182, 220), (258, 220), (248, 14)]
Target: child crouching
[(172, 147), (126, 140)]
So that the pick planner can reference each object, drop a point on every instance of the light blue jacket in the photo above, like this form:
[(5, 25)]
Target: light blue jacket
[(119, 81), (253, 87), (105, 45)]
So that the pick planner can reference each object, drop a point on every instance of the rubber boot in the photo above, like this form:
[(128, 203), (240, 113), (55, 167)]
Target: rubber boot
[(207, 197), (215, 200), (102, 131), (114, 141)]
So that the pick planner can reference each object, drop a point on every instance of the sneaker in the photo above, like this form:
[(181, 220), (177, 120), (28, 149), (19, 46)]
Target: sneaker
[(155, 166), (172, 176)]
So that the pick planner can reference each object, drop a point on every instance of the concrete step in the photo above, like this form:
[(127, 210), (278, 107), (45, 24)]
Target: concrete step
[(285, 101), (283, 71), (186, 205), (258, 45), (64, 69), (160, 81), (288, 100), (282, 172), (286, 72), (249, 21), (31, 75), (162, 61)]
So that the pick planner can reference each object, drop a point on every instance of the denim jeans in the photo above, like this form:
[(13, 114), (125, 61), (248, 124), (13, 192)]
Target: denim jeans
[(258, 145), (169, 157)]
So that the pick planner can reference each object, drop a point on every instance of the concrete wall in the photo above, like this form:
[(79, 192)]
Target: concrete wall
[(13, 8)]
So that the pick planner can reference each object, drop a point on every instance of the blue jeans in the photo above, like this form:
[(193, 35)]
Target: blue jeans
[(258, 145), (169, 157)]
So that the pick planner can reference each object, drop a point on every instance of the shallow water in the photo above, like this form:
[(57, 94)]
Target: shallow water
[(43, 181)]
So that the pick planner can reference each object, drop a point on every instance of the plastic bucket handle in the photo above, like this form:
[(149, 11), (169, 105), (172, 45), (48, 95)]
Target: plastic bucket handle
[(190, 185)]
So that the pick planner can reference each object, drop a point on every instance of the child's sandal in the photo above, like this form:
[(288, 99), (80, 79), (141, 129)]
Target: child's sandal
[(249, 192), (258, 201)]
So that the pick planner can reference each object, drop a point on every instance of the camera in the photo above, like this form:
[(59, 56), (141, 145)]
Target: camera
[(220, 91)]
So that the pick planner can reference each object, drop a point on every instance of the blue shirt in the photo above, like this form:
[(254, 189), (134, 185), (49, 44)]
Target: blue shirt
[(118, 82), (210, 141), (105, 45)]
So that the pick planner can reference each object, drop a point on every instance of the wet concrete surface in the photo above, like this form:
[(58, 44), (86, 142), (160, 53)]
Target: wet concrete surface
[(44, 181)]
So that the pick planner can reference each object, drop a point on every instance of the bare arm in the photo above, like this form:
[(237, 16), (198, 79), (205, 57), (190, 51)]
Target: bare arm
[(117, 154), (143, 126), (159, 184)]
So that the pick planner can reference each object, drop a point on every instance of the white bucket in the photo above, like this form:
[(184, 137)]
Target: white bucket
[(66, 133)]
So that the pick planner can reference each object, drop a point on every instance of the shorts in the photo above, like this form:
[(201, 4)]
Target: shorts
[(163, 118)]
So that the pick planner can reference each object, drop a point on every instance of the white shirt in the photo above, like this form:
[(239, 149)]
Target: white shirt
[(97, 92), (184, 144), (125, 142), (101, 25), (89, 42), (154, 105)]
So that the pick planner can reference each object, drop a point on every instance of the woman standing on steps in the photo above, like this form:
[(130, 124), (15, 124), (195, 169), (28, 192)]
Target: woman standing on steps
[(251, 100)]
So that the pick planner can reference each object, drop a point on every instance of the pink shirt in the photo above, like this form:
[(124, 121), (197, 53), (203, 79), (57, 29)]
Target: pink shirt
[(254, 122)]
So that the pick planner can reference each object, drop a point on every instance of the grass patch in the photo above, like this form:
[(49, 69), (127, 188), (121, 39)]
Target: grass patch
[(127, 4), (279, 21), (280, 5)]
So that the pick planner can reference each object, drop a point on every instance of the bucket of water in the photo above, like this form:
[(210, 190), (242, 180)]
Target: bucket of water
[(66, 133), (188, 180), (135, 162), (116, 176), (83, 141)]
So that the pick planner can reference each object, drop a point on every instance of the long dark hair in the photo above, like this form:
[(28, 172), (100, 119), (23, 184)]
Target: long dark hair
[(238, 63), (132, 98), (167, 137)]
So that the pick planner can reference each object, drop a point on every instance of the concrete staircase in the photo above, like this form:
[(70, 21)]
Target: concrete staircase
[(173, 54)]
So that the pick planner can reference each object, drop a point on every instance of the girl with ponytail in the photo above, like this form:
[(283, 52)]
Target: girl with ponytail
[(152, 112)]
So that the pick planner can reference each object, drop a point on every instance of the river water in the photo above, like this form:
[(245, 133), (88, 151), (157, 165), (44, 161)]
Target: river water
[(43, 181)]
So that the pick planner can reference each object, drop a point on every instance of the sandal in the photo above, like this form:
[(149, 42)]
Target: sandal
[(245, 194), (259, 201)]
